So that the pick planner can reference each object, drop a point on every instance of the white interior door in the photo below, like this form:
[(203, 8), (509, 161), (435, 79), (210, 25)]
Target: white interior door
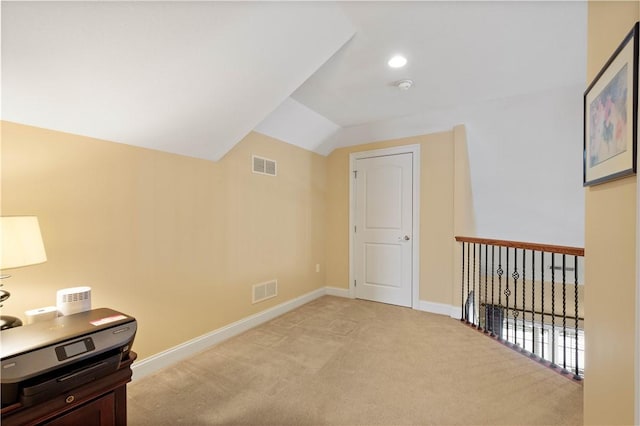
[(383, 228)]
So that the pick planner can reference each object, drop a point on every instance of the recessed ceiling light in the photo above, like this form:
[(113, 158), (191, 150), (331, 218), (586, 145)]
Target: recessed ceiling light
[(397, 61)]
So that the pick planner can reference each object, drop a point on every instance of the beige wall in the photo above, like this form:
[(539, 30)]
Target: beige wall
[(610, 250), (436, 214), (174, 241), (178, 242)]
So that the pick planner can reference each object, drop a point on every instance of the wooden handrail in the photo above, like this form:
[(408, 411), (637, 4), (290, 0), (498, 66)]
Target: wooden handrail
[(572, 251)]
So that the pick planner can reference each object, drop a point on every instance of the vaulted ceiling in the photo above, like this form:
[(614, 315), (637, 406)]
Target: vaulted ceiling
[(194, 78)]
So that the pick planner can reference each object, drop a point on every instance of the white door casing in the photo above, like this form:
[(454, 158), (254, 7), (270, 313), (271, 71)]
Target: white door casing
[(384, 261)]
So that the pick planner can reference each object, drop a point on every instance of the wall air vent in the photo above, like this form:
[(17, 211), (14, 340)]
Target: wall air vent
[(264, 291), (264, 166)]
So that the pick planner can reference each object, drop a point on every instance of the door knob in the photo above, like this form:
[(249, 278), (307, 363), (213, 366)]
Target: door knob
[(405, 238)]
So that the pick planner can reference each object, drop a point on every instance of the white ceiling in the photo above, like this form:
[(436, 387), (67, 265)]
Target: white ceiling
[(194, 78)]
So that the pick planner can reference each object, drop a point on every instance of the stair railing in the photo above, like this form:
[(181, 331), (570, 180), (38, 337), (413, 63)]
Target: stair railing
[(527, 296)]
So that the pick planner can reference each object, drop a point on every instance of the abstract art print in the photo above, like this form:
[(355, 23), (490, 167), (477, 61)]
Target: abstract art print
[(611, 116), (608, 120)]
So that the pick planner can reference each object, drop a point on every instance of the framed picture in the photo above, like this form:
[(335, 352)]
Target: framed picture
[(611, 116)]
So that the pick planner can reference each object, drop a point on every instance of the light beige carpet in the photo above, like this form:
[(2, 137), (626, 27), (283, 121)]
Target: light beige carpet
[(352, 362)]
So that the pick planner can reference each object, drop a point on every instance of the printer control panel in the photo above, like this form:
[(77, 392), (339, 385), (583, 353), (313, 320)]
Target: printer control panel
[(72, 349)]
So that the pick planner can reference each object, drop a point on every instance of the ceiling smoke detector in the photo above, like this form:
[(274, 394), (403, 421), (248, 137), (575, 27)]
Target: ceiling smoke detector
[(404, 84)]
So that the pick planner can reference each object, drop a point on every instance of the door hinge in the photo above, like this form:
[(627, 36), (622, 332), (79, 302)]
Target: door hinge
[(355, 174), (355, 283), (355, 229)]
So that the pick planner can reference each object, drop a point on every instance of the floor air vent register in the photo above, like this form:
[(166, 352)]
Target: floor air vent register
[(264, 291)]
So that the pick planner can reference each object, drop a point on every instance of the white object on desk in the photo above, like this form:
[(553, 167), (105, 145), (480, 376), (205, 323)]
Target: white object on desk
[(73, 300), (41, 314)]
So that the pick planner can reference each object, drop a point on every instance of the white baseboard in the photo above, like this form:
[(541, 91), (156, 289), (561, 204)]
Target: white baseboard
[(335, 291), (456, 312), (440, 309), (170, 356)]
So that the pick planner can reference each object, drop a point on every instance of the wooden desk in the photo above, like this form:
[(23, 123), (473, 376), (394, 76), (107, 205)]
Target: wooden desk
[(102, 402)]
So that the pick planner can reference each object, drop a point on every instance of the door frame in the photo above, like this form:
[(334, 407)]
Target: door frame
[(415, 233)]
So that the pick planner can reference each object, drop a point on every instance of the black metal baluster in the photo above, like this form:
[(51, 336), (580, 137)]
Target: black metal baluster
[(542, 302), (575, 269), (564, 314), (515, 275), (477, 309), (466, 314), (507, 293), (553, 310), (500, 272), (479, 295), (486, 283), (473, 276), (493, 306), (533, 304), (462, 315), (524, 288)]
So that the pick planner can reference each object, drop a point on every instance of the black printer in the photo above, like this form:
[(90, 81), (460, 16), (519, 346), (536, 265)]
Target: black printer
[(48, 358)]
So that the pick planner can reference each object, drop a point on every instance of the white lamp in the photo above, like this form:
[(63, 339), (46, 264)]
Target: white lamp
[(21, 246)]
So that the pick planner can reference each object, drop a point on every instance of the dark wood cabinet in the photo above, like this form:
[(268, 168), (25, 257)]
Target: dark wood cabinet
[(102, 402), (99, 412)]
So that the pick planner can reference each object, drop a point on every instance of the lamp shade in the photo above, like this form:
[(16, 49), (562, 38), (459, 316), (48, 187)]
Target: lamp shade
[(21, 242)]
